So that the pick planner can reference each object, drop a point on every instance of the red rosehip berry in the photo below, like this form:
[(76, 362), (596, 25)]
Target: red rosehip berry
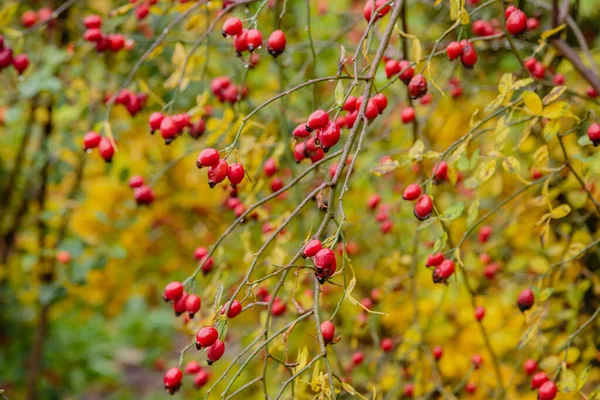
[(63, 257), (116, 42), (530, 366), (440, 172), (255, 39), (232, 27), (444, 271), (453, 50), (539, 71), (438, 352), (532, 24), (468, 56), (192, 304), (357, 358), (144, 195), (207, 265), (409, 390), (559, 79), (370, 7), (192, 367), (538, 380), (312, 248), (91, 140), (276, 185), (406, 72), (426, 99), (392, 68), (350, 104), (386, 226), (479, 313), (197, 129), (526, 299), (547, 391), (324, 259), (29, 18), (509, 10), (433, 260), (477, 361), (423, 207), (351, 119), (168, 129), (92, 21), (373, 201), (94, 35), (594, 133), (591, 92), (276, 43), (173, 291), (471, 387), (412, 192), (380, 101), (329, 136), (201, 378), (372, 110), (270, 167), (6, 57), (172, 380), (106, 149), (317, 120), (217, 173), (240, 42), (278, 308), (156, 118), (208, 158), (417, 86), (215, 352), (234, 310), (328, 331), (235, 174), (20, 62), (206, 337), (408, 115), (386, 345), (516, 23), (530, 63), (491, 270), (484, 234), (200, 253), (301, 132)]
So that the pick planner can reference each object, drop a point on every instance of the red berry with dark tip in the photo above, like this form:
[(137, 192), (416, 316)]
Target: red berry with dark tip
[(526, 299), (208, 158), (433, 260), (444, 271), (172, 380), (485, 232), (200, 253), (168, 129), (392, 68), (232, 27), (438, 352), (234, 310), (594, 133), (386, 345), (440, 172), (201, 378), (328, 331), (215, 352), (106, 149), (538, 380), (406, 72), (155, 120), (417, 86), (547, 391), (255, 39), (317, 120), (516, 23), (276, 43), (312, 248), (192, 304), (423, 207), (206, 337), (29, 18), (329, 136), (530, 366), (407, 115), (468, 56), (173, 291), (479, 313), (179, 306), (477, 361), (20, 62), (380, 101), (240, 42), (235, 174), (144, 195), (453, 50), (350, 104), (217, 173)]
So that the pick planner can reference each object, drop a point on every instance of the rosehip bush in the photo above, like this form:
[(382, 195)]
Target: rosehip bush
[(299, 199)]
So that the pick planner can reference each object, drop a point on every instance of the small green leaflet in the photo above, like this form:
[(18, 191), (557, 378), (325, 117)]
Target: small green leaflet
[(453, 212), (339, 94)]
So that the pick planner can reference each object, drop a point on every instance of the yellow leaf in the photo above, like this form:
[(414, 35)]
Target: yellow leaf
[(560, 211), (486, 171), (464, 16), (416, 151), (145, 88), (472, 121), (555, 110), (522, 83), (546, 34), (533, 103), (301, 359), (551, 128), (554, 94), (540, 157), (506, 83), (545, 234), (437, 3), (385, 167), (501, 130), (7, 13), (124, 9), (511, 164), (416, 49)]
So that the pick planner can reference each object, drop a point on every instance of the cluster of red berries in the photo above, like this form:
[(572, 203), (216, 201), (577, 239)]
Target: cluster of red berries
[(201, 254), (402, 68), (113, 42), (201, 375), (382, 216), (456, 89), (323, 258), (143, 194), (226, 91), (91, 140), (491, 268), (252, 39), (546, 388), (516, 20), (463, 49), (171, 126), (536, 68), (442, 268), (594, 133), (327, 134), (378, 6), (218, 169), (31, 17), (20, 61), (133, 102), (424, 204), (182, 301), (235, 204), (375, 106)]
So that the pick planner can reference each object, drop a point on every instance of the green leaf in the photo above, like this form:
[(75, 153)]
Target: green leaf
[(453, 212), (546, 293), (440, 242), (51, 293), (427, 222), (568, 381), (583, 377), (339, 93), (486, 171)]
